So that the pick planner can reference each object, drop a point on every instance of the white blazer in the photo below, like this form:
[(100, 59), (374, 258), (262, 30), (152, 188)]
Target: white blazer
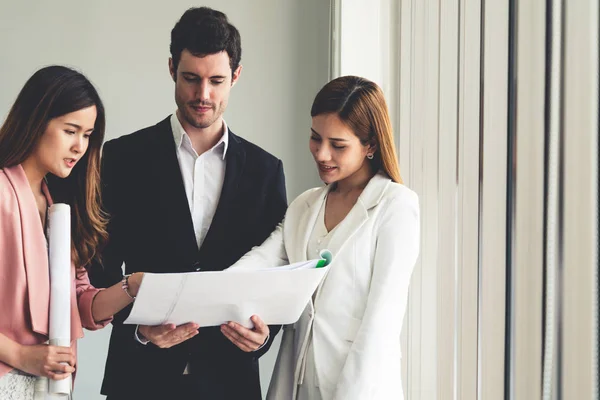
[(358, 309)]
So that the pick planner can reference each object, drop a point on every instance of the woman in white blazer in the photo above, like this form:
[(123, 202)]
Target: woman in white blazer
[(346, 344)]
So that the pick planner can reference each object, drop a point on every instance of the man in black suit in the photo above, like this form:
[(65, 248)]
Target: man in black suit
[(184, 195)]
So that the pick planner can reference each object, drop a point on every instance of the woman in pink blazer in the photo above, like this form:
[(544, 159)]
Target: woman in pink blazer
[(50, 150)]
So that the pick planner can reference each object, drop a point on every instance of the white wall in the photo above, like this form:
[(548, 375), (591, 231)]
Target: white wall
[(363, 34), (123, 47)]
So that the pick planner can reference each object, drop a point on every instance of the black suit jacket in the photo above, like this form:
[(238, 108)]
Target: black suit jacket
[(151, 230)]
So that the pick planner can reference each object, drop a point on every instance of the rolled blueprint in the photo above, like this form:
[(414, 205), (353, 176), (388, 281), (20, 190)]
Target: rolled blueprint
[(59, 256)]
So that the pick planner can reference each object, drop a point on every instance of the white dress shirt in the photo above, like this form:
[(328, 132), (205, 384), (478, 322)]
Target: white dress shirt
[(202, 175)]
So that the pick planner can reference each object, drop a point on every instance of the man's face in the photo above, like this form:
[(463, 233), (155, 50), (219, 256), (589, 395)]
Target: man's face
[(202, 86)]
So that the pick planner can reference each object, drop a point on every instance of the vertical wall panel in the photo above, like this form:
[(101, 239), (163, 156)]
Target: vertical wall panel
[(527, 224), (492, 235), (402, 114), (580, 193), (468, 197), (429, 200), (447, 198)]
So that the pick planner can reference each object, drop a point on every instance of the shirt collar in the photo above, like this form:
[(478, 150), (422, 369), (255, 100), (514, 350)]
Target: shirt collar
[(180, 135)]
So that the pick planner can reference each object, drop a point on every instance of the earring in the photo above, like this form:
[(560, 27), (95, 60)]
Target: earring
[(370, 156)]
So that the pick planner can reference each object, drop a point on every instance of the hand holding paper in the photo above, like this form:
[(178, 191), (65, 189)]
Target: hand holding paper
[(246, 339), (168, 335)]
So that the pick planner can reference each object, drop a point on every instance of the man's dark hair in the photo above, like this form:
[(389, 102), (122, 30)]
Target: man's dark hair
[(203, 31)]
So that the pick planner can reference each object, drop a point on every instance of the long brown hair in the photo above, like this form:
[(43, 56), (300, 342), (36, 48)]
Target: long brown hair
[(361, 105), (50, 93)]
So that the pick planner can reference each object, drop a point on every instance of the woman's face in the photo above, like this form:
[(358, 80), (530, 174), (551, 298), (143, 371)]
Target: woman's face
[(338, 152), (64, 142)]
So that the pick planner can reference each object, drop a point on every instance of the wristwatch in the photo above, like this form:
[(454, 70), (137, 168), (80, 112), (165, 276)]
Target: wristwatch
[(125, 286)]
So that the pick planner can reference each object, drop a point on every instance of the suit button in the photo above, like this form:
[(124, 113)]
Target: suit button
[(196, 266)]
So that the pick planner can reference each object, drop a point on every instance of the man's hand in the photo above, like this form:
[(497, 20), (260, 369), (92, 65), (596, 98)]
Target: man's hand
[(246, 339), (168, 335)]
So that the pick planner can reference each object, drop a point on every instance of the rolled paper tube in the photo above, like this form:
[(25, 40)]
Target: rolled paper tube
[(59, 255)]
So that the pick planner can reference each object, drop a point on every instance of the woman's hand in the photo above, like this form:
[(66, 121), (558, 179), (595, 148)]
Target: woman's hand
[(135, 281), (45, 360), (113, 299)]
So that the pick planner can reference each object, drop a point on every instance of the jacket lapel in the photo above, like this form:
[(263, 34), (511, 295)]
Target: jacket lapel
[(307, 222), (180, 228), (235, 161), (358, 215), (35, 252)]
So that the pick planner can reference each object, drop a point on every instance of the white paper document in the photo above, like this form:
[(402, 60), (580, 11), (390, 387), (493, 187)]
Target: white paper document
[(59, 257), (278, 295)]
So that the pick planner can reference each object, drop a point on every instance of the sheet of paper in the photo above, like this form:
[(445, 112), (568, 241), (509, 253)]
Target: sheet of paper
[(291, 267), (59, 257), (278, 295)]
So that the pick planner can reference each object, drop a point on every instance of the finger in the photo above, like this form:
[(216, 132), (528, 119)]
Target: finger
[(187, 336), (60, 368), (156, 334), (250, 335), (234, 339), (64, 358), (63, 370), (161, 330), (57, 376), (189, 325), (182, 336), (156, 331), (61, 349), (259, 324), (177, 334), (241, 340)]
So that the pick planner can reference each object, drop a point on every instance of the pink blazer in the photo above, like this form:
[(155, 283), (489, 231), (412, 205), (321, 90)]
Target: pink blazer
[(24, 274)]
